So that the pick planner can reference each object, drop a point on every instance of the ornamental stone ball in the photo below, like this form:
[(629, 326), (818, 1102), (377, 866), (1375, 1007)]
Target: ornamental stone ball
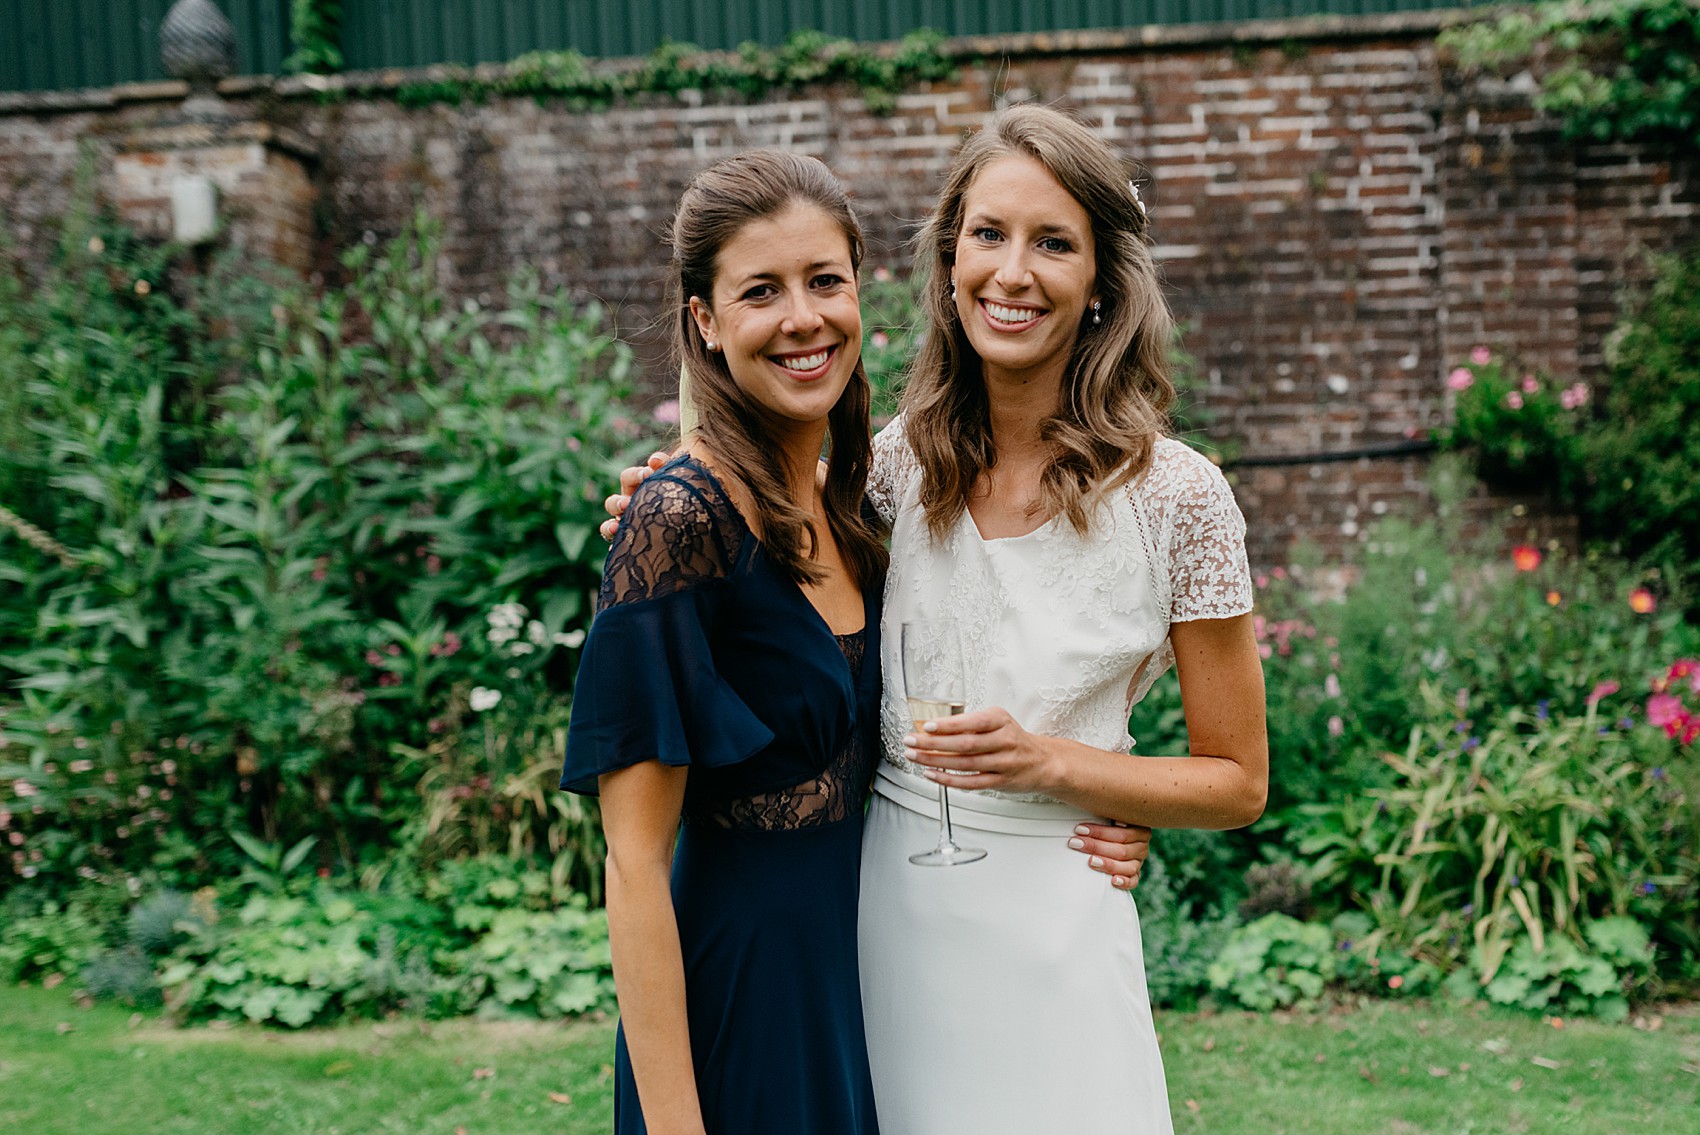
[(197, 43)]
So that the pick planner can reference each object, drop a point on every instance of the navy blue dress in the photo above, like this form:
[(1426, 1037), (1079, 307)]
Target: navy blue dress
[(704, 654)]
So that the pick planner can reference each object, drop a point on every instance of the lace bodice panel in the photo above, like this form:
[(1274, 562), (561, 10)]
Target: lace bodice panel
[(1064, 631), (683, 534), (834, 795)]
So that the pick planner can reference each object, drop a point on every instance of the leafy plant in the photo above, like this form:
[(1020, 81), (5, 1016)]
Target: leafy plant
[(1521, 432), (1274, 962), (806, 57), (315, 28), (256, 541), (1562, 976), (1619, 70)]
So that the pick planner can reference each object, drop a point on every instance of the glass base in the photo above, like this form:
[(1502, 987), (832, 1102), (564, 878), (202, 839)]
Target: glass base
[(948, 856)]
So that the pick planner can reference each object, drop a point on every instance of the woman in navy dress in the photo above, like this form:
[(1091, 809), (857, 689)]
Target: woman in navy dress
[(744, 582)]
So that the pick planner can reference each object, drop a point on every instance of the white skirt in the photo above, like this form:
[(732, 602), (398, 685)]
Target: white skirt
[(1007, 996)]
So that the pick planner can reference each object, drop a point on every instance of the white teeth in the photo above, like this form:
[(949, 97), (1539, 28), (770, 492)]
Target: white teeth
[(805, 362), (1011, 314)]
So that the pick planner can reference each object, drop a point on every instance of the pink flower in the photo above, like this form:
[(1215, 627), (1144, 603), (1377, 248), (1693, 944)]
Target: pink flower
[(1481, 356), (1664, 710), (1641, 601), (433, 564), (1460, 379), (1574, 397), (1529, 384), (882, 273), (373, 658), (1514, 401), (880, 339), (668, 412), (1336, 726), (1604, 689), (1331, 687), (1526, 557)]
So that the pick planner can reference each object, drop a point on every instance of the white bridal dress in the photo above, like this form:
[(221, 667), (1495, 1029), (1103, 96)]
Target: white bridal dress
[(1008, 996)]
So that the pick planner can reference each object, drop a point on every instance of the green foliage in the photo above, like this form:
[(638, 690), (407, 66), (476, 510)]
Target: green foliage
[(1563, 977), (290, 524), (1522, 433), (1515, 834), (892, 323), (753, 71), (50, 942), (491, 935), (1621, 70), (1180, 934), (315, 28), (1642, 451), (542, 963), (1274, 962)]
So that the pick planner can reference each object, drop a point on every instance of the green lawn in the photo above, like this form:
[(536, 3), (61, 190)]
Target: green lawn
[(1385, 1068)]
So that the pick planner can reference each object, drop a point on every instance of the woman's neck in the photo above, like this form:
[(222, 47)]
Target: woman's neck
[(1017, 407)]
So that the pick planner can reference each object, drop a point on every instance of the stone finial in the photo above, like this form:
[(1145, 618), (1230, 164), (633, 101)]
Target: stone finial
[(198, 43)]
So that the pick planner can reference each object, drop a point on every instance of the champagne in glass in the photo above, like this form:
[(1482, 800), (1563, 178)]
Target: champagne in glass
[(934, 683)]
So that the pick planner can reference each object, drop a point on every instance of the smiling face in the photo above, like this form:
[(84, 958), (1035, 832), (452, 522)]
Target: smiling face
[(1025, 269), (784, 311)]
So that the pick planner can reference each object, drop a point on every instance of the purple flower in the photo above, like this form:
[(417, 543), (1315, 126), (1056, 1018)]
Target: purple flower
[(1648, 888), (1515, 881), (1658, 774), (1541, 712), (1470, 743), (1626, 723)]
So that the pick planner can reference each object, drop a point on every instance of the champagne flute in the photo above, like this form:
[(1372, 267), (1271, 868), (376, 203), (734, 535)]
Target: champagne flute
[(934, 682)]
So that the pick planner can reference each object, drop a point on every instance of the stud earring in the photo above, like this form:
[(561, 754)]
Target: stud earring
[(953, 289), (1097, 313), (712, 345)]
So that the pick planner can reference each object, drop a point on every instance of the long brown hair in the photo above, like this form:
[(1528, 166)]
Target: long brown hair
[(1116, 388), (720, 201)]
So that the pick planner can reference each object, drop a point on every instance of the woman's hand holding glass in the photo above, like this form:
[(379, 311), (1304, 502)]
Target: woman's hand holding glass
[(988, 749)]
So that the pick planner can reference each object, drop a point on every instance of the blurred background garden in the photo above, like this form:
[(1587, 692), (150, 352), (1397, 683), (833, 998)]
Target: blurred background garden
[(298, 548)]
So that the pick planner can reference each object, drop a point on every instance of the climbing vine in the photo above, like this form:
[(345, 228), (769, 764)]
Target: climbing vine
[(805, 58), (1621, 70), (315, 28)]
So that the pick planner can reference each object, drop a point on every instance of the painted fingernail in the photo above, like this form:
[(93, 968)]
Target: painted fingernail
[(1077, 844), (1095, 861), (1119, 880), (1082, 829), (909, 740), (929, 727)]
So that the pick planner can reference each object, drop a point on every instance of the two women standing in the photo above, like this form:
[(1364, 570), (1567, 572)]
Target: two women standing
[(1034, 501)]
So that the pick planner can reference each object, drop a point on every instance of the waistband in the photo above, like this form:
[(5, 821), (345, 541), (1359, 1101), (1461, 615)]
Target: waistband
[(977, 811)]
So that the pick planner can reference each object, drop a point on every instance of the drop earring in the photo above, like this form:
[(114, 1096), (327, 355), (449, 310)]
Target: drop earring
[(1097, 313)]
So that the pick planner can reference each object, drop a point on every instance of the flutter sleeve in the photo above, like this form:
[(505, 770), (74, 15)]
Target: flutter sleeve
[(1208, 572), (647, 686)]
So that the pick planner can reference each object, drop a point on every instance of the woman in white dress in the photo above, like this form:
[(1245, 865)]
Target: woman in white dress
[(1036, 504)]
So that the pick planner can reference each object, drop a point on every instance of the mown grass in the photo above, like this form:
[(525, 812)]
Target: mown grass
[(1421, 1069)]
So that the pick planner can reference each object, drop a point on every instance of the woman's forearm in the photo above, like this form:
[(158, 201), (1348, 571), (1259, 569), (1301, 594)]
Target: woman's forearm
[(1199, 791), (649, 973)]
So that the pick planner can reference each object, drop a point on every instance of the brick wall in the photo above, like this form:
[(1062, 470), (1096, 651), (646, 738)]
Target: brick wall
[(1340, 217)]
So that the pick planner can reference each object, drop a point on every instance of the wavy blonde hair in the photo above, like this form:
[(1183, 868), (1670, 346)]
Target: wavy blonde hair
[(722, 199), (1116, 389)]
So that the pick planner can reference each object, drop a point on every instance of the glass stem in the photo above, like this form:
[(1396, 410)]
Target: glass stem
[(948, 839)]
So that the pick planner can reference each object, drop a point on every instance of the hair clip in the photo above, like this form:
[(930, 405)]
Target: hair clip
[(1138, 200)]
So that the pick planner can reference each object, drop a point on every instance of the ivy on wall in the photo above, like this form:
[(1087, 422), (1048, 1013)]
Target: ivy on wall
[(315, 28), (805, 58), (1623, 70)]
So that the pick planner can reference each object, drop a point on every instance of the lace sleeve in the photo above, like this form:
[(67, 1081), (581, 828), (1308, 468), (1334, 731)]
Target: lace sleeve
[(893, 469), (1208, 574), (680, 530)]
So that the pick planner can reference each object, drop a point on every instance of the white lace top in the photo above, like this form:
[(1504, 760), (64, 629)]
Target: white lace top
[(1066, 632)]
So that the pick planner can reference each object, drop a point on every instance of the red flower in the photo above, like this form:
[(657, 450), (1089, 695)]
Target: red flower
[(1604, 689), (1641, 601), (1526, 557)]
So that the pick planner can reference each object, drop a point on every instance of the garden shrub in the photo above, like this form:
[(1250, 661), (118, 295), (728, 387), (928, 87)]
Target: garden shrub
[(289, 524), (1181, 934), (1274, 962)]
